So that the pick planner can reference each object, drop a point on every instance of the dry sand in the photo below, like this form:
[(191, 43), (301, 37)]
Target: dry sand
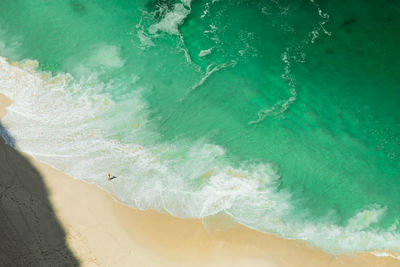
[(50, 219)]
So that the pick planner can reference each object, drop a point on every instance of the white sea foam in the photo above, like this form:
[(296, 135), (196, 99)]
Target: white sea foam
[(274, 3), (315, 33), (290, 56), (10, 47), (6, 49), (282, 105), (212, 68), (106, 55), (172, 19), (207, 6), (206, 10), (330, 237), (61, 122), (385, 254), (66, 123), (205, 52), (144, 38), (101, 58), (170, 23)]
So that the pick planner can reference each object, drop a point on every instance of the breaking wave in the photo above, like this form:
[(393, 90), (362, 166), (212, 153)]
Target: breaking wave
[(65, 123)]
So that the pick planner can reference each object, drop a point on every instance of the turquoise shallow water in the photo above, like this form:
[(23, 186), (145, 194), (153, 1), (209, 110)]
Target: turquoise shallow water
[(282, 114)]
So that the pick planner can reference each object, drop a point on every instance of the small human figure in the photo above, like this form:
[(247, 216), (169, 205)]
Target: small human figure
[(111, 177)]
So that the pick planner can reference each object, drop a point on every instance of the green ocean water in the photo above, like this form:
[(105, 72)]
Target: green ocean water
[(283, 114)]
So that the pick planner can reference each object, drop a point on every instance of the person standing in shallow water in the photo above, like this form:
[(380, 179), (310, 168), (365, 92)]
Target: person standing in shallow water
[(111, 177)]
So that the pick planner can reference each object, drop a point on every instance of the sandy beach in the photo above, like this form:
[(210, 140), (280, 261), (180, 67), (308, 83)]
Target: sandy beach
[(51, 219)]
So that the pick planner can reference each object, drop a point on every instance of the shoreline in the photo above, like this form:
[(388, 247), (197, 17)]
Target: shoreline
[(100, 231)]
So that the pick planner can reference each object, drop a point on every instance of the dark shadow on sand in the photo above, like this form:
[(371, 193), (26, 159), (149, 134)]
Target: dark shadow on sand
[(30, 234), (8, 139)]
